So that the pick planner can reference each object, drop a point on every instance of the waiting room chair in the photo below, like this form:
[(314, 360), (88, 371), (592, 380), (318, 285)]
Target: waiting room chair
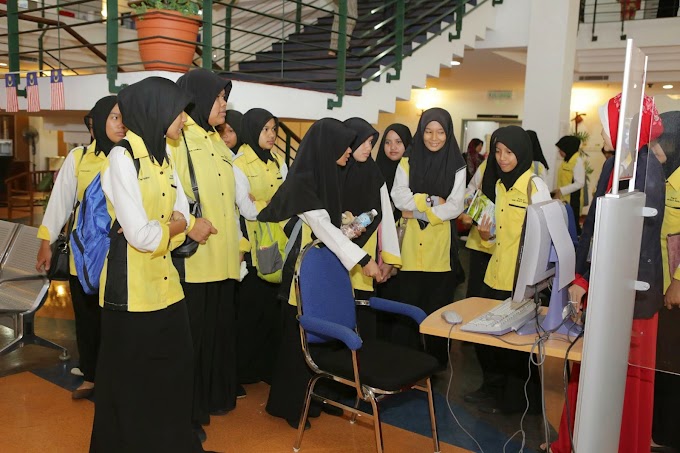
[(26, 190), (22, 290), (334, 350)]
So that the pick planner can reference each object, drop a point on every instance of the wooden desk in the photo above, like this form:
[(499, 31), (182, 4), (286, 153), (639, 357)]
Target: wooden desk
[(470, 308)]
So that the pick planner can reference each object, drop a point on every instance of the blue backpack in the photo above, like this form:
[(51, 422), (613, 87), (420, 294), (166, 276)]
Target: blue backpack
[(90, 239)]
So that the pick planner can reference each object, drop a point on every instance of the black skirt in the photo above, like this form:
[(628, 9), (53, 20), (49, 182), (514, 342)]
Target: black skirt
[(144, 383)]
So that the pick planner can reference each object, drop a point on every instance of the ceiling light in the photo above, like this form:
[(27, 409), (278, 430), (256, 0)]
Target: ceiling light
[(3, 64), (455, 63), (667, 87)]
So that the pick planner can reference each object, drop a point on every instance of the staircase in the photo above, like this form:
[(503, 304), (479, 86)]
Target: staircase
[(302, 60)]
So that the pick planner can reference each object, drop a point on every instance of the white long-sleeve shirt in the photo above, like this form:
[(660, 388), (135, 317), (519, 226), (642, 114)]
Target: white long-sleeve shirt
[(404, 200), (121, 187), (347, 251)]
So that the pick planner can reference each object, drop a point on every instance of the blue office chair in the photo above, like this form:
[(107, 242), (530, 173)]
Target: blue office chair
[(334, 350)]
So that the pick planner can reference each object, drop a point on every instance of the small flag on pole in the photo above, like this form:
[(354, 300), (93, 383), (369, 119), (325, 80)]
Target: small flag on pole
[(11, 82), (57, 90), (32, 92)]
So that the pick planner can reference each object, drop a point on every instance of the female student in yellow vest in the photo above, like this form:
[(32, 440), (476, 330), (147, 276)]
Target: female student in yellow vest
[(508, 181), (260, 171), (79, 169), (364, 189), (313, 193), (230, 131), (144, 372), (666, 395), (428, 189), (571, 176), (210, 274)]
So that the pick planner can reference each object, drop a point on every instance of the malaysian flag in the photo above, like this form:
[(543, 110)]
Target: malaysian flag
[(32, 92), (57, 90), (11, 82)]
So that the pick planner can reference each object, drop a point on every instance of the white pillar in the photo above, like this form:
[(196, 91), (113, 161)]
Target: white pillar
[(550, 73)]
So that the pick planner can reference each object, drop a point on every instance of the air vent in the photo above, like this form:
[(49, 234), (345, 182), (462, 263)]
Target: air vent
[(586, 78)]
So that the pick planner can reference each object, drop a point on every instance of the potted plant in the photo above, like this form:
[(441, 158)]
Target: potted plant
[(160, 23)]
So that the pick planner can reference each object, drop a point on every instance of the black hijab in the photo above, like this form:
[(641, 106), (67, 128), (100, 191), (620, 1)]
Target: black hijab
[(387, 166), (234, 119), (313, 181), (570, 145), (100, 114), (252, 124), (434, 173), (149, 107), (670, 141), (518, 141), (363, 180), (537, 150), (204, 86)]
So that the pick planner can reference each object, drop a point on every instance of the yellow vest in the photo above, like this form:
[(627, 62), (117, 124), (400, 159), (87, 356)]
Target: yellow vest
[(511, 208), (86, 169), (565, 176), (671, 224), (152, 281), (427, 250), (359, 280), (264, 180), (217, 259)]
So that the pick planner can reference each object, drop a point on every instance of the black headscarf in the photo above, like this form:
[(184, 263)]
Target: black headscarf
[(518, 141), (387, 166), (363, 180), (537, 150), (149, 107), (434, 173), (251, 126), (204, 86), (570, 145), (670, 141), (100, 114), (313, 181), (234, 119)]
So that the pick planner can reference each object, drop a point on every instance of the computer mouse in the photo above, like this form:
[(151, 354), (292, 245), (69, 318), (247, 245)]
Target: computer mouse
[(452, 317)]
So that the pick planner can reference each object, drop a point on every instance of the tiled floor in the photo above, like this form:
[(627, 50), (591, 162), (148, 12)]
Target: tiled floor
[(38, 415)]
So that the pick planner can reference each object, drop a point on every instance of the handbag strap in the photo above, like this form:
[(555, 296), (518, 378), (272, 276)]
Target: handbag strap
[(192, 175), (293, 237), (76, 202), (269, 230)]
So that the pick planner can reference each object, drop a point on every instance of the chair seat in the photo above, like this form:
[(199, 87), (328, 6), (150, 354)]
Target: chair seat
[(382, 365)]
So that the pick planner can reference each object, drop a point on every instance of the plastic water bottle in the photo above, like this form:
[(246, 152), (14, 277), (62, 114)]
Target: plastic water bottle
[(353, 229)]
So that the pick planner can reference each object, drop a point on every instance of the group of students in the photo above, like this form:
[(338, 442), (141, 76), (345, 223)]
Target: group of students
[(175, 338)]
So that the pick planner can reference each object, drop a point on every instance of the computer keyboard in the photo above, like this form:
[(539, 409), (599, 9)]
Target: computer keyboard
[(503, 318)]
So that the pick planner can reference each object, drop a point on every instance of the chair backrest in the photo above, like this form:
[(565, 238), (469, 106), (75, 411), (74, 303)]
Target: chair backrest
[(7, 230), (26, 295), (325, 289)]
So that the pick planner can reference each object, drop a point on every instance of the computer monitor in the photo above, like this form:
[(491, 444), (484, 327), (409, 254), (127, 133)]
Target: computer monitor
[(546, 257)]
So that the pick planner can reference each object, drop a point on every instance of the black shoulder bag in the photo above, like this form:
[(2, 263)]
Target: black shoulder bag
[(189, 246)]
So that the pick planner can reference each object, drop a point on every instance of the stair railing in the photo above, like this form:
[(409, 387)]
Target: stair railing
[(291, 142)]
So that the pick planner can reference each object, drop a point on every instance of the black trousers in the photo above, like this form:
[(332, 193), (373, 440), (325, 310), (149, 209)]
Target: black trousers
[(505, 371), (88, 327), (144, 383), (291, 374), (429, 291), (259, 327), (212, 319), (479, 261)]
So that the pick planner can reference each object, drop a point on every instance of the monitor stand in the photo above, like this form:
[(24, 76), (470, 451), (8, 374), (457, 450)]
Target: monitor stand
[(552, 321)]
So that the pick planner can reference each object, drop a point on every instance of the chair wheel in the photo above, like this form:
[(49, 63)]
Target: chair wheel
[(64, 356)]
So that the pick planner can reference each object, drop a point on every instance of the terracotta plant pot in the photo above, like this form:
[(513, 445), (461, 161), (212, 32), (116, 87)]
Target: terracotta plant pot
[(161, 54)]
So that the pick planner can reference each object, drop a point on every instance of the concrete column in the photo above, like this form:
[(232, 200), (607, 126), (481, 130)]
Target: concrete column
[(550, 73)]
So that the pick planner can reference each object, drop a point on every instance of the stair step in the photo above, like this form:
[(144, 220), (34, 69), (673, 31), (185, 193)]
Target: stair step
[(310, 65), (352, 87)]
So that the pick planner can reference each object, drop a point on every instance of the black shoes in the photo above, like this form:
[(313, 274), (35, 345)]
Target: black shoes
[(200, 432), (478, 396), (240, 392)]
